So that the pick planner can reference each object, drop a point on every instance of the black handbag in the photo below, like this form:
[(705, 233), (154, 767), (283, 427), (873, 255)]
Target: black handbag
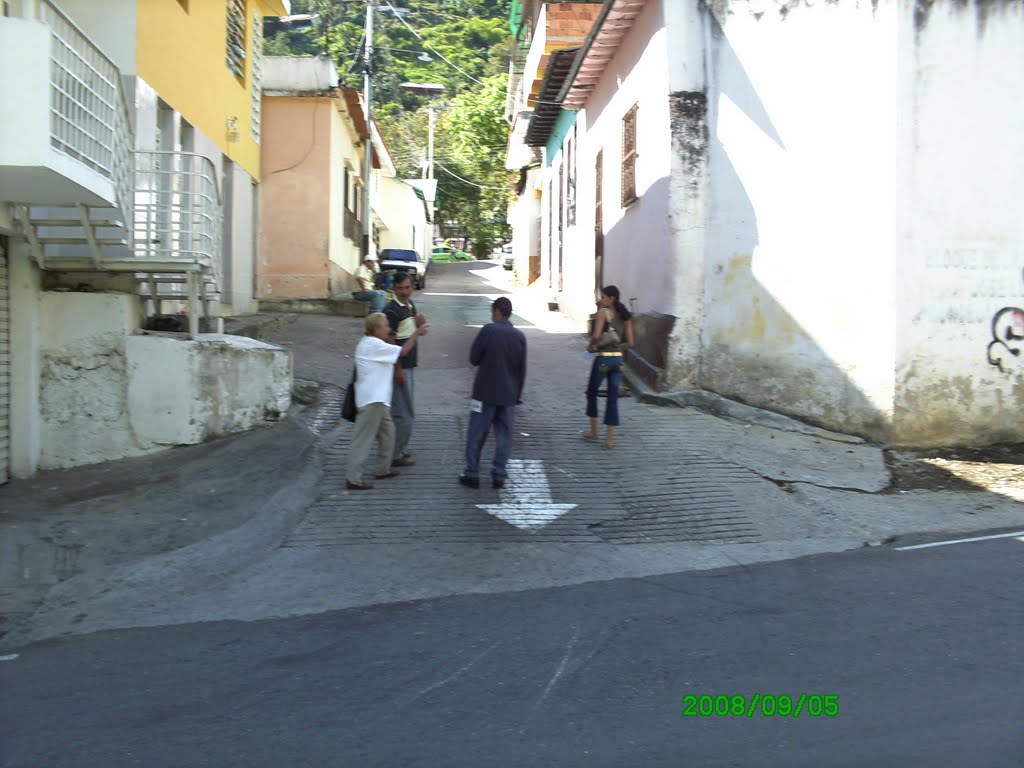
[(348, 406)]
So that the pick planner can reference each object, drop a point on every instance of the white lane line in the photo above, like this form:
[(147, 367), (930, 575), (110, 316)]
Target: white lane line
[(10, 657), (962, 541)]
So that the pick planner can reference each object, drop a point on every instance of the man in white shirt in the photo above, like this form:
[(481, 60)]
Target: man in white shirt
[(375, 370), (365, 280)]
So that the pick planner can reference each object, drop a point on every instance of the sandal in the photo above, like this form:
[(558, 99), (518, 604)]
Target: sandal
[(589, 437)]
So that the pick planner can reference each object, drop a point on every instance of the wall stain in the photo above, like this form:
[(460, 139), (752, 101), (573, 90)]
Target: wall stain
[(688, 112), (983, 9)]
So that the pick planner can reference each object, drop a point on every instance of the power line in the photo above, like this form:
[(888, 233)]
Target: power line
[(467, 181), (432, 48)]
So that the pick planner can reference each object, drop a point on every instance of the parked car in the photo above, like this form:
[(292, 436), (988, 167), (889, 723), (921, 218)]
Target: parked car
[(445, 253), (506, 256), (405, 260)]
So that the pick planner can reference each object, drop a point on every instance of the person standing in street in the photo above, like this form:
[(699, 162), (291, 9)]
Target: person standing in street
[(499, 352), (375, 365), (611, 314), (365, 281), (403, 320)]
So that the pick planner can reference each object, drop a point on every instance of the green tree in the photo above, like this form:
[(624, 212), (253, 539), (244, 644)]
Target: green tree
[(474, 188), (469, 43)]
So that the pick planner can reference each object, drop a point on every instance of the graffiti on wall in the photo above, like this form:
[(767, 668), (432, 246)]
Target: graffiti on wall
[(1007, 339)]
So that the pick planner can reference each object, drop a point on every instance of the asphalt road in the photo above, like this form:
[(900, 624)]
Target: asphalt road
[(923, 650)]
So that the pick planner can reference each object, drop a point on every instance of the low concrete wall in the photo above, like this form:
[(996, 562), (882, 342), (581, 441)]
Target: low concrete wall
[(107, 394), (183, 392), (83, 410)]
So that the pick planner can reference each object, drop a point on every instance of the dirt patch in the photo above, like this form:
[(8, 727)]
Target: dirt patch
[(996, 468)]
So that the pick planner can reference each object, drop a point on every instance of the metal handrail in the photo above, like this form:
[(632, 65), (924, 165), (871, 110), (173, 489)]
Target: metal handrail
[(177, 209), (89, 119)]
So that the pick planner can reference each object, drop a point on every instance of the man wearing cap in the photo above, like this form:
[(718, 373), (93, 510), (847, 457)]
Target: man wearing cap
[(366, 291)]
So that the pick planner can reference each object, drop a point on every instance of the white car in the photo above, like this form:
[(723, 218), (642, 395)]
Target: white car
[(405, 260), (506, 256)]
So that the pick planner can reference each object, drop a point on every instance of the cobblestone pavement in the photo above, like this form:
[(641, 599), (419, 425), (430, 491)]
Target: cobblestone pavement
[(619, 497)]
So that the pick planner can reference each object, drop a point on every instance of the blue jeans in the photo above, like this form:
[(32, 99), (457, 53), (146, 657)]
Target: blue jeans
[(610, 366), (503, 418), (377, 299)]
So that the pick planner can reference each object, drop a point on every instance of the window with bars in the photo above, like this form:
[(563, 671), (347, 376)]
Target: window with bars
[(629, 155), (257, 74), (236, 38)]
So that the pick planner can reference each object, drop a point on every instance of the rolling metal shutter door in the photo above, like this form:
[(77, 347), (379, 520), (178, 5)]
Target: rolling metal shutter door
[(5, 368)]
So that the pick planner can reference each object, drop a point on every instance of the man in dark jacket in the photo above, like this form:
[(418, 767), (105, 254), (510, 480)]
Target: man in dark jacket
[(499, 352)]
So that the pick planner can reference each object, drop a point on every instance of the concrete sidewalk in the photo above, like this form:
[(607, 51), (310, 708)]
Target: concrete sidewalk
[(168, 526)]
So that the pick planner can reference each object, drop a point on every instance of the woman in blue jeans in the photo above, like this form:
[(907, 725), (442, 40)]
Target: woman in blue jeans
[(611, 313)]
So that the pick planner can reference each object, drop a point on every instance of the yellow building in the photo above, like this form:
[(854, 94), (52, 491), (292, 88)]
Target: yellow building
[(203, 58), (129, 189)]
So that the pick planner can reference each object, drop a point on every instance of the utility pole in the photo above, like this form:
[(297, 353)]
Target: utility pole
[(367, 246), (430, 140)]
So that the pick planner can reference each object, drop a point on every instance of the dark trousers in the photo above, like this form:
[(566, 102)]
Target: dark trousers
[(610, 366), (502, 417)]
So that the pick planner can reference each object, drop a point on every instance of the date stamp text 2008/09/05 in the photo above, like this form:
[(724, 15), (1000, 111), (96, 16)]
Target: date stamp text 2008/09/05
[(763, 704)]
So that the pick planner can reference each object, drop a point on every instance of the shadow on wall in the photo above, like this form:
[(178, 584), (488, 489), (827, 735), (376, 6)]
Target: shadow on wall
[(740, 342)]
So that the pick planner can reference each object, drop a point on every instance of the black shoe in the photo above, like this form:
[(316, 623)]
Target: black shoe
[(497, 482), (357, 486), (469, 482)]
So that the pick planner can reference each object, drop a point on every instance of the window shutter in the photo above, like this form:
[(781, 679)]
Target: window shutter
[(629, 157)]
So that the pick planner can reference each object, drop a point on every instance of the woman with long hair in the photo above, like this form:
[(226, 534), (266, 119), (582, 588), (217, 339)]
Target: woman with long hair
[(608, 350)]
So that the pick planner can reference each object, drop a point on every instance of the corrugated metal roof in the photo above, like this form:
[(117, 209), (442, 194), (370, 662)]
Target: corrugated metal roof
[(602, 43), (546, 111)]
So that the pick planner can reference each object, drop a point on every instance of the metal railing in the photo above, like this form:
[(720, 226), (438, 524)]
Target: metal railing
[(88, 115), (177, 209)]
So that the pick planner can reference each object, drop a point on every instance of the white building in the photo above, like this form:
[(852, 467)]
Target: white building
[(119, 200), (814, 206)]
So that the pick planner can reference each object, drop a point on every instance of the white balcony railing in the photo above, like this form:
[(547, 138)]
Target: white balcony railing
[(177, 209), (88, 114)]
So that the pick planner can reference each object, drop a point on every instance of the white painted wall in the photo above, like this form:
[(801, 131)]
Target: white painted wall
[(961, 238), (802, 204), (637, 258), (185, 392), (82, 399), (106, 394), (111, 25), (404, 213), (24, 92), (23, 281), (239, 300)]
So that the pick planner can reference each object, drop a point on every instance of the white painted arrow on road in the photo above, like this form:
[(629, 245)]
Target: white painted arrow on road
[(526, 498)]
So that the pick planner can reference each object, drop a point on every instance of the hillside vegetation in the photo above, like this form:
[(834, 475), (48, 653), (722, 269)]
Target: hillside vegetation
[(469, 45)]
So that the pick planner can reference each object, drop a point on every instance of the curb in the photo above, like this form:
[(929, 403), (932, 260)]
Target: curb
[(716, 405), (79, 604)]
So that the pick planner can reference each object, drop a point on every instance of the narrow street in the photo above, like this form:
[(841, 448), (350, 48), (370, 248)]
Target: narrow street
[(559, 621), (921, 648)]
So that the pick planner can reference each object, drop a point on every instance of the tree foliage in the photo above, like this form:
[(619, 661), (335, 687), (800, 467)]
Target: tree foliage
[(468, 42)]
